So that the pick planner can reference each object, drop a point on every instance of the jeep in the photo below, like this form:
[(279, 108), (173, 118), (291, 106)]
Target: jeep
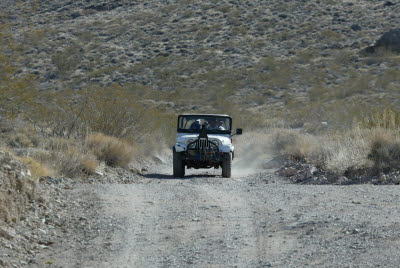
[(204, 141)]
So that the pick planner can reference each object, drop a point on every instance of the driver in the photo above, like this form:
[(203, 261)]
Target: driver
[(195, 125)]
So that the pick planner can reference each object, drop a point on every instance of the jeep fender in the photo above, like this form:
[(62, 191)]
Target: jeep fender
[(226, 148), (180, 147)]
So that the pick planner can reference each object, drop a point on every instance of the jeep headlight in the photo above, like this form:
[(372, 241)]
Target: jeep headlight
[(189, 141)]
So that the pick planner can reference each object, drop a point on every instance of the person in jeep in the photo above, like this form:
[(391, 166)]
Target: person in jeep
[(195, 125), (215, 125)]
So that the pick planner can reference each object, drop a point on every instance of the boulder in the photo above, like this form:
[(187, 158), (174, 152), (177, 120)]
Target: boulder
[(342, 180), (355, 27), (388, 4), (389, 40)]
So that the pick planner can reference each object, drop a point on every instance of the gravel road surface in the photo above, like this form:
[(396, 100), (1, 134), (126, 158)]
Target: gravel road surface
[(204, 220)]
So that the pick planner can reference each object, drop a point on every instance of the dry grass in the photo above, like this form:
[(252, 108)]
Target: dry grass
[(335, 152), (347, 150), (18, 134), (376, 149), (385, 149), (110, 149), (69, 157), (89, 165), (37, 168), (297, 146)]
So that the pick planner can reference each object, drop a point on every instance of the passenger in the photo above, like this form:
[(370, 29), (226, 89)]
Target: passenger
[(213, 124), (221, 125), (216, 125)]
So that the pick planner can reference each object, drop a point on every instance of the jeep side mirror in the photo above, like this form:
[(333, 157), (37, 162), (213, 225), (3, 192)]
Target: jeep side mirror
[(239, 131)]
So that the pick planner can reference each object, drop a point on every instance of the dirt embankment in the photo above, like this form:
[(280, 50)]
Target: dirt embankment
[(34, 214), (17, 188)]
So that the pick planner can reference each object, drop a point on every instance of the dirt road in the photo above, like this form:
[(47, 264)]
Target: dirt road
[(257, 220)]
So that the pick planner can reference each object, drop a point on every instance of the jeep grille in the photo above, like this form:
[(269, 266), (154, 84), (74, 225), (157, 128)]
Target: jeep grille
[(203, 144)]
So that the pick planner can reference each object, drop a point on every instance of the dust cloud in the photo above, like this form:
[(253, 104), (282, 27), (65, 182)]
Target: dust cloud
[(252, 151)]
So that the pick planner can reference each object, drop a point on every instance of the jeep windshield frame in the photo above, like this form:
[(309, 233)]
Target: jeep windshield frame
[(187, 124)]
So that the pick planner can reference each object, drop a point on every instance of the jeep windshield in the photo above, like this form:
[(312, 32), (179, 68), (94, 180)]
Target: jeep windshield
[(214, 124)]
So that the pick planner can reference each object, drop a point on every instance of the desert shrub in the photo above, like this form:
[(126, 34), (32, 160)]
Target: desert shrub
[(223, 8), (114, 111), (20, 140), (37, 168), (17, 92), (59, 144), (385, 149), (67, 60), (112, 151), (336, 152), (355, 84), (67, 157), (388, 118), (89, 165), (17, 133), (24, 138), (331, 36), (291, 144), (347, 149)]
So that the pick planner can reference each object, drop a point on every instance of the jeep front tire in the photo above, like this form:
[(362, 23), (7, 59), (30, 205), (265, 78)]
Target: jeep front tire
[(226, 165), (178, 165)]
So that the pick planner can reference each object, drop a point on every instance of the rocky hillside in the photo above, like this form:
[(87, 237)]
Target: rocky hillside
[(261, 54)]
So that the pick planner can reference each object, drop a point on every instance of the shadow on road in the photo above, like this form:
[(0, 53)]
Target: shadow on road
[(170, 177)]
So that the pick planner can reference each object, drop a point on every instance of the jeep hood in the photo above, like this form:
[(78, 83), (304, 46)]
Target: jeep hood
[(224, 138)]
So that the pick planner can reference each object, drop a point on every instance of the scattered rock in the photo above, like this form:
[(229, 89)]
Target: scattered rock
[(76, 15), (6, 167), (356, 27), (97, 172), (382, 178), (145, 169), (6, 234), (288, 172), (388, 4), (311, 171), (135, 170)]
